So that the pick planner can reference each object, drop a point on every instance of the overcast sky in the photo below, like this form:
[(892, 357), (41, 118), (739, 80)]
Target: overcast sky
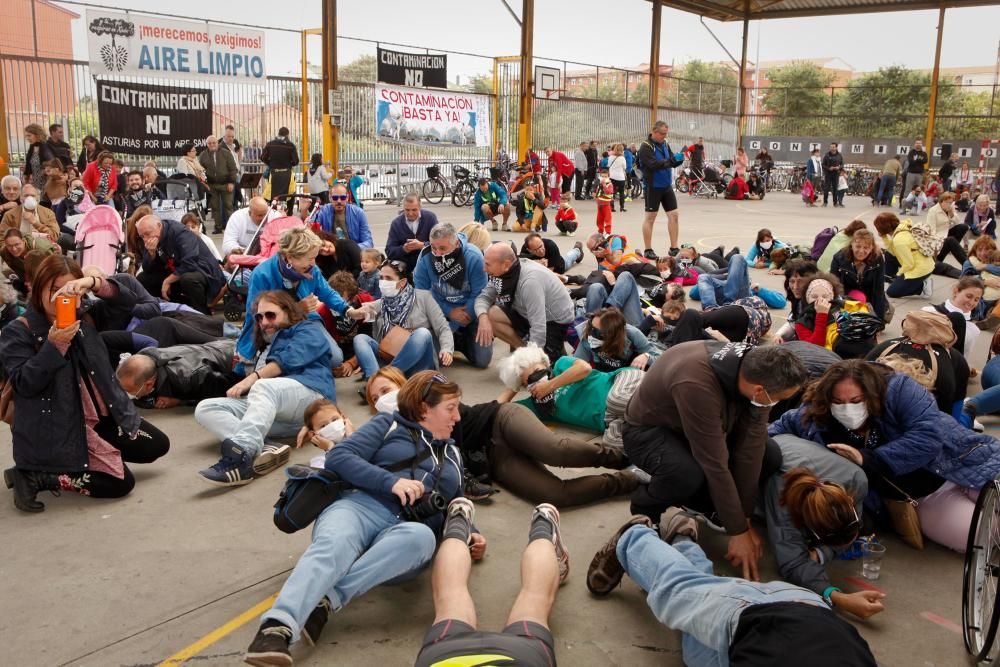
[(602, 32)]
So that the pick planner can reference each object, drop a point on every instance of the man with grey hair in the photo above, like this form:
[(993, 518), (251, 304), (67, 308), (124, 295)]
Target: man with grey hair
[(10, 193), (220, 173), (451, 269), (343, 219), (410, 231), (522, 302), (176, 265), (657, 163), (698, 425)]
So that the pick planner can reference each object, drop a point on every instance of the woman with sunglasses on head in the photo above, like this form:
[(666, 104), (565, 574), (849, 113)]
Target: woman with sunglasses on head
[(891, 427), (403, 469), (813, 508), (507, 443), (404, 319), (293, 269)]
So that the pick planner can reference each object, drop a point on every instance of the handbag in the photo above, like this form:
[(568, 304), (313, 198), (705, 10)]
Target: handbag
[(7, 393), (905, 521), (392, 342)]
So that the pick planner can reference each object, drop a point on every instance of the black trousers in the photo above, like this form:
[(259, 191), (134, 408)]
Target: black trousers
[(567, 183), (580, 177), (620, 191), (677, 478), (166, 331), (191, 289), (149, 445), (589, 185)]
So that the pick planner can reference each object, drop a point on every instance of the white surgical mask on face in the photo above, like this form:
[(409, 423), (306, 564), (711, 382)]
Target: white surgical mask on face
[(334, 431), (594, 342), (665, 274), (764, 405), (851, 415), (30, 203), (388, 402), (766, 245), (388, 288)]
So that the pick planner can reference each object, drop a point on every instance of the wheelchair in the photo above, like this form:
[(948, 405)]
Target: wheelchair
[(981, 577)]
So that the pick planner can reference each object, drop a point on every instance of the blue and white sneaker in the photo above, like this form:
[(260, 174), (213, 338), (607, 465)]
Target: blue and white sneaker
[(235, 468), (272, 456)]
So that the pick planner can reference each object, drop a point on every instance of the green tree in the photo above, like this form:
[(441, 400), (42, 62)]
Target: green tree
[(702, 86), (797, 90), (362, 69), (81, 122)]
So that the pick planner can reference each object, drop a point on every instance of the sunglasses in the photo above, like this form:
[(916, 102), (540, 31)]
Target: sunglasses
[(398, 266), (844, 535), (338, 197), (437, 378), (268, 315)]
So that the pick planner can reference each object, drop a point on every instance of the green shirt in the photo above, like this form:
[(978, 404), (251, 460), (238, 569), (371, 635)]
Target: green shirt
[(582, 403)]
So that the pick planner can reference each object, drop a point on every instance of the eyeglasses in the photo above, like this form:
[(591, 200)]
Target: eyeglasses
[(843, 535), (687, 246), (437, 378), (268, 315), (338, 197)]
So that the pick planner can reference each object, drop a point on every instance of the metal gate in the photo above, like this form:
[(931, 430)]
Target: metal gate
[(506, 106)]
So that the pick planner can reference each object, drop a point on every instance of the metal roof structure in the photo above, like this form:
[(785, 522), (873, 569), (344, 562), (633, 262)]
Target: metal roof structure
[(739, 10)]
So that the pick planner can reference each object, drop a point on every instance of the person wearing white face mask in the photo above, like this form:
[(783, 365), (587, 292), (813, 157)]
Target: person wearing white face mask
[(891, 427), (608, 343), (404, 318), (759, 255), (325, 426), (30, 218)]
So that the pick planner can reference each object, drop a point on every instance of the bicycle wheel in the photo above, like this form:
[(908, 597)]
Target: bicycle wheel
[(433, 191), (463, 194), (980, 592), (637, 189), (683, 185)]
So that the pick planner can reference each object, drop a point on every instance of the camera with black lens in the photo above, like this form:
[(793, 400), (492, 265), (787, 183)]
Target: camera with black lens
[(428, 506)]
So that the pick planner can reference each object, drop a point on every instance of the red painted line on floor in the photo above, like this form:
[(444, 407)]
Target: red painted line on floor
[(941, 621), (861, 583)]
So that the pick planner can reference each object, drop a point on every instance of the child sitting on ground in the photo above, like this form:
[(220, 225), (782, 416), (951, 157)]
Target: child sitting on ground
[(371, 260), (566, 216), (605, 195), (344, 328), (325, 426)]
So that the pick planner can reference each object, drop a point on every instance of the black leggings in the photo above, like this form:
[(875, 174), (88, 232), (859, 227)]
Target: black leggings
[(149, 445), (166, 331), (620, 191), (953, 246)]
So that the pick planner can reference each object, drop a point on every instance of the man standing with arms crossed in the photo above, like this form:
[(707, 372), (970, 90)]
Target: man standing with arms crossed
[(657, 162)]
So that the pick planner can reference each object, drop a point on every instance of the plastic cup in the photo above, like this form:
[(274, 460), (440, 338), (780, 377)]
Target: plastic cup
[(871, 560)]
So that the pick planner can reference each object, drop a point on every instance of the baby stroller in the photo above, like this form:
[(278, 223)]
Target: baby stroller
[(710, 184), (100, 240), (177, 196), (262, 247)]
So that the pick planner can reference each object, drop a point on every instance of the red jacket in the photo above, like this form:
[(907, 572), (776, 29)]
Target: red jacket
[(92, 178), (563, 164)]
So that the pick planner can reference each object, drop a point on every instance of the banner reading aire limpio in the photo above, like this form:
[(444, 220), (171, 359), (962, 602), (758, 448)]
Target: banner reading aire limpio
[(121, 43), (417, 115)]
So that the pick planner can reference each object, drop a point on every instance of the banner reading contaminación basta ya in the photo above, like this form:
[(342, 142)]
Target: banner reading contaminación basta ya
[(418, 115), (127, 43)]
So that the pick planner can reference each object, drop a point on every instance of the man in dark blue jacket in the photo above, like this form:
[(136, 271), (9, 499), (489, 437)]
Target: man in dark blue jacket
[(410, 232), (292, 369), (657, 162), (176, 265)]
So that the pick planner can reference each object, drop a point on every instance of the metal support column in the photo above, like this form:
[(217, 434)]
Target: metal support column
[(4, 146), (305, 106), (527, 83), (932, 111), (742, 110), (331, 134), (654, 63)]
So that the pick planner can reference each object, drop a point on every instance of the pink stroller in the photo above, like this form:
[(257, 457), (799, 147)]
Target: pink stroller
[(100, 240), (263, 246)]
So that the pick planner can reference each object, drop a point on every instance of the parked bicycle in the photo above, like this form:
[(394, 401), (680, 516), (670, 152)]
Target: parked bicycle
[(468, 181), (436, 185)]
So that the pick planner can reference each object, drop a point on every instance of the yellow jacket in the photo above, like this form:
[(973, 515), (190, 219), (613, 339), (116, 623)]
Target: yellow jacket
[(912, 263)]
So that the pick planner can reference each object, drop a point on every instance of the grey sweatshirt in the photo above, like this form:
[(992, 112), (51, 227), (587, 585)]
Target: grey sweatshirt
[(540, 298), (425, 314)]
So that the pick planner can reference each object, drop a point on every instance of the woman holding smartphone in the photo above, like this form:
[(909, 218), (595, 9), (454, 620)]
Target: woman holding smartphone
[(74, 426)]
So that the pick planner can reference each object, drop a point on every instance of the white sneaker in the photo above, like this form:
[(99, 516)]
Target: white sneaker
[(928, 290)]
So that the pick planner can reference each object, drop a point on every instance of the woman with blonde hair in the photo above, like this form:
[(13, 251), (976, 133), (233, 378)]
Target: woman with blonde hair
[(39, 153), (293, 268), (476, 234)]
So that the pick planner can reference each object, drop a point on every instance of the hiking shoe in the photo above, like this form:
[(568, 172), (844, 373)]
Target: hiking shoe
[(458, 521), (272, 456), (235, 468), (640, 475), (579, 246), (676, 521), (270, 646), (606, 571), (548, 513), (317, 621), (650, 254), (476, 490), (928, 289)]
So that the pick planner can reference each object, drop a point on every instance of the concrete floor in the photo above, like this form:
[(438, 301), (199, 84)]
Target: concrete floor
[(136, 581)]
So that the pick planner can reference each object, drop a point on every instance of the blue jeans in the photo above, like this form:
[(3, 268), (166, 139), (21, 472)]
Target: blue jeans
[(273, 407), (987, 402), (478, 355), (357, 544), (714, 290), (624, 295), (886, 186), (686, 596), (572, 257), (417, 354)]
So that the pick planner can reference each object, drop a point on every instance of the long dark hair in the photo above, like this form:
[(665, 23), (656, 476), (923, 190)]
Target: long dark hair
[(51, 268), (800, 267), (824, 508), (872, 378), (612, 331), (314, 163), (283, 300), (98, 146)]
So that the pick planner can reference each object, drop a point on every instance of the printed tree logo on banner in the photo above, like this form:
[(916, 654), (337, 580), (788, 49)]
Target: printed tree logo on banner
[(115, 57)]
